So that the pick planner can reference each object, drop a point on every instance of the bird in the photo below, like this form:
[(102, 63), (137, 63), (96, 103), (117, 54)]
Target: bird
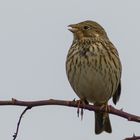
[(93, 68)]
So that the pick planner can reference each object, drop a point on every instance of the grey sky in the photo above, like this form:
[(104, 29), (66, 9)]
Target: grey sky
[(34, 41)]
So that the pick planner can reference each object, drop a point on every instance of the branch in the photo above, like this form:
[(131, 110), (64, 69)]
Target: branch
[(133, 138), (111, 110), (31, 104)]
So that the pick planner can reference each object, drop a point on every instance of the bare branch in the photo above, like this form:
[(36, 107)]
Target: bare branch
[(111, 110), (31, 104), (133, 138)]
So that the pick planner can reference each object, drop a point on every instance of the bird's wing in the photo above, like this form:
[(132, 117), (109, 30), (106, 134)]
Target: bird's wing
[(117, 94)]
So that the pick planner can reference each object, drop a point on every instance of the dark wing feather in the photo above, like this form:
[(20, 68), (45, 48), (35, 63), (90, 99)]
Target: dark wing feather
[(117, 94)]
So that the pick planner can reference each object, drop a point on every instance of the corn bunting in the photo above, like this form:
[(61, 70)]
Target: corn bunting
[(94, 69)]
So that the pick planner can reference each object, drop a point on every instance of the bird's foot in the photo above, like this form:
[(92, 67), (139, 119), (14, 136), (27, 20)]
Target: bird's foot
[(80, 111), (105, 107)]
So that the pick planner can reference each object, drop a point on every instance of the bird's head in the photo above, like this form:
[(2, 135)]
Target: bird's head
[(87, 29)]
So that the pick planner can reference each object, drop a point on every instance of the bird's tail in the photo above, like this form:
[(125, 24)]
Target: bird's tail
[(102, 122)]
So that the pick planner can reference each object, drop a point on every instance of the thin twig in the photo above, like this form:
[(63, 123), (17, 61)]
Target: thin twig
[(19, 121)]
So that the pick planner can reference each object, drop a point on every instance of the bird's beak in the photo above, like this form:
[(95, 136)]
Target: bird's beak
[(72, 28)]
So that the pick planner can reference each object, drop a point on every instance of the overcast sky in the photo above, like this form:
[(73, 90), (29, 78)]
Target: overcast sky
[(34, 41)]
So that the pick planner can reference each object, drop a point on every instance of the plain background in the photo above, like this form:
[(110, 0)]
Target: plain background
[(34, 41)]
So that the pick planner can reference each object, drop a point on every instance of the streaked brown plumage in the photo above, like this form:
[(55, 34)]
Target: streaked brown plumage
[(94, 69)]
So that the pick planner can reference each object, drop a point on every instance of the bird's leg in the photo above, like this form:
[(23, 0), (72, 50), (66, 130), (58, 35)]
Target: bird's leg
[(82, 113), (106, 107), (81, 102)]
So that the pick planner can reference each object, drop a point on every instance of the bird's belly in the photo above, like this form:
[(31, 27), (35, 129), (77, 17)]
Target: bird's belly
[(92, 86)]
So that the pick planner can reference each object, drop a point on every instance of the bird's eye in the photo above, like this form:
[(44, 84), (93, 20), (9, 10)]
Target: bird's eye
[(86, 27)]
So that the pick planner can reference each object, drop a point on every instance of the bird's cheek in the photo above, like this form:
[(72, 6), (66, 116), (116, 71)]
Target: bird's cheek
[(80, 35)]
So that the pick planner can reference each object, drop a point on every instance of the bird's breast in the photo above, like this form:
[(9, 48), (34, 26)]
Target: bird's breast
[(92, 74)]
